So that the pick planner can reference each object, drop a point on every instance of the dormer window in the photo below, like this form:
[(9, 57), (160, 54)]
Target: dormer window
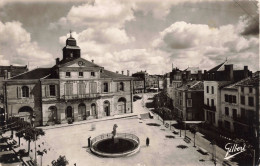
[(80, 74), (92, 74), (67, 74)]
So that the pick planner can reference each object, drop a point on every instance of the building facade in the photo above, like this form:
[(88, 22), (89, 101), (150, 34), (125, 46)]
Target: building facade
[(7, 72), (138, 85), (214, 80), (74, 89), (189, 104)]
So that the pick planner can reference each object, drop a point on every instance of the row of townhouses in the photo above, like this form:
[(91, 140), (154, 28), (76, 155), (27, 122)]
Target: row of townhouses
[(225, 97), (143, 82), (74, 88)]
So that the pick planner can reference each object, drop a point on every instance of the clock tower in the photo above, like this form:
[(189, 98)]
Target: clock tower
[(71, 50)]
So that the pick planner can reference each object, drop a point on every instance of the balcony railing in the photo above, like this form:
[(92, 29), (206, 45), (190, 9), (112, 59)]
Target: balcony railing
[(81, 96), (212, 108)]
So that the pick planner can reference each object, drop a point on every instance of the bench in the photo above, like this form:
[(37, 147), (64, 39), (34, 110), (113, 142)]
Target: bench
[(175, 132), (203, 151), (187, 139)]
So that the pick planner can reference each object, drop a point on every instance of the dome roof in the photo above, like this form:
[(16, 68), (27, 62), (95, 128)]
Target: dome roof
[(71, 41)]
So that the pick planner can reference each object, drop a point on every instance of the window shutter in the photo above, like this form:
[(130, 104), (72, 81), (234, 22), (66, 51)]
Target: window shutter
[(118, 86), (56, 90), (30, 91), (102, 87), (66, 89), (47, 90), (43, 91), (87, 88), (71, 89), (18, 92)]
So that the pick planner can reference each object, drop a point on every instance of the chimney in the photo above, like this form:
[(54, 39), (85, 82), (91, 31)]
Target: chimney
[(122, 72), (229, 72), (92, 61), (245, 71), (128, 73), (199, 75), (116, 72), (188, 75), (57, 60), (6, 74)]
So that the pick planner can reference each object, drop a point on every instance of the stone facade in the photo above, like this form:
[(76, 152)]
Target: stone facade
[(73, 90)]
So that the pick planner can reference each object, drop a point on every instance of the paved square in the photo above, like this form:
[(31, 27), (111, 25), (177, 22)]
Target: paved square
[(72, 141)]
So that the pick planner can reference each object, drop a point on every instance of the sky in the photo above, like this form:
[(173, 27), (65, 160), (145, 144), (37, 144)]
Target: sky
[(132, 35)]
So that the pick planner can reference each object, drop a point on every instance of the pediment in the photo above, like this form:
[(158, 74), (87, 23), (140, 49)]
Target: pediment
[(79, 62)]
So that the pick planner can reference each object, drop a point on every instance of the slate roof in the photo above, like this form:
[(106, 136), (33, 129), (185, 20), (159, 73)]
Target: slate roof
[(249, 81), (216, 68), (110, 74), (33, 74), (192, 85)]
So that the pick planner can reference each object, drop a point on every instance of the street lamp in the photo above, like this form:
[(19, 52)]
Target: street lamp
[(33, 120)]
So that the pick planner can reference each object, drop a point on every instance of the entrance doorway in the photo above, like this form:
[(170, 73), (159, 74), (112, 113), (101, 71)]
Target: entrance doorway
[(107, 108)]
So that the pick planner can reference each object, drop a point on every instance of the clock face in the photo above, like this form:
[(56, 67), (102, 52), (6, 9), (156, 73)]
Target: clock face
[(80, 63)]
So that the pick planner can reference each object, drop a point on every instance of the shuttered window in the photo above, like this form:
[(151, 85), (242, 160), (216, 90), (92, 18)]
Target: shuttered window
[(82, 89), (68, 89), (93, 87)]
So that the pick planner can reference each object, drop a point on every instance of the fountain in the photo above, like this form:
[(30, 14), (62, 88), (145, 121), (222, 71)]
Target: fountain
[(115, 144)]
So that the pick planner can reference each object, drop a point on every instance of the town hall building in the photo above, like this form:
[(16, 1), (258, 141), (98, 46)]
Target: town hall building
[(74, 89)]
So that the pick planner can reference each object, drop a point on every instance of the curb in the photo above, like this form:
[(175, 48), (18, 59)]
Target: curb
[(85, 122)]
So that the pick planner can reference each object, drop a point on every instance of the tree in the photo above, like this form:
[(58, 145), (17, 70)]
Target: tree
[(61, 161), (20, 127), (32, 134), (11, 124), (19, 134)]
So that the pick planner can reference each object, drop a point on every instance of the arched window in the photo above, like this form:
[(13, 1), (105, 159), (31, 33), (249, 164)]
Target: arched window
[(25, 91), (121, 86), (69, 112)]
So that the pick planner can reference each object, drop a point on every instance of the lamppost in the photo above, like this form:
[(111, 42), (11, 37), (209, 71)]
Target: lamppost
[(213, 143), (33, 120)]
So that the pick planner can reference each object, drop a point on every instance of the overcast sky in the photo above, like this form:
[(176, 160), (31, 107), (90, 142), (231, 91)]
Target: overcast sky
[(131, 35)]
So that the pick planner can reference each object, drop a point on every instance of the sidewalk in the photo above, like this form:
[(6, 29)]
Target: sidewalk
[(130, 115), (200, 141)]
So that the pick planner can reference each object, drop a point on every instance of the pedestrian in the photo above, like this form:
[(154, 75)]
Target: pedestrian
[(147, 141)]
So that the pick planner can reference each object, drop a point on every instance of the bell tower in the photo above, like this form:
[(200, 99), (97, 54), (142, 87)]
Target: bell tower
[(71, 50)]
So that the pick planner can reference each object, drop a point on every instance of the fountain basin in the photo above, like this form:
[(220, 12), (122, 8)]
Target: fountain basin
[(125, 145)]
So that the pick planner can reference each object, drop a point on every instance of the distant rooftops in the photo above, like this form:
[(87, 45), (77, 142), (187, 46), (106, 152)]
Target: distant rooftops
[(14, 70), (192, 85), (193, 70)]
